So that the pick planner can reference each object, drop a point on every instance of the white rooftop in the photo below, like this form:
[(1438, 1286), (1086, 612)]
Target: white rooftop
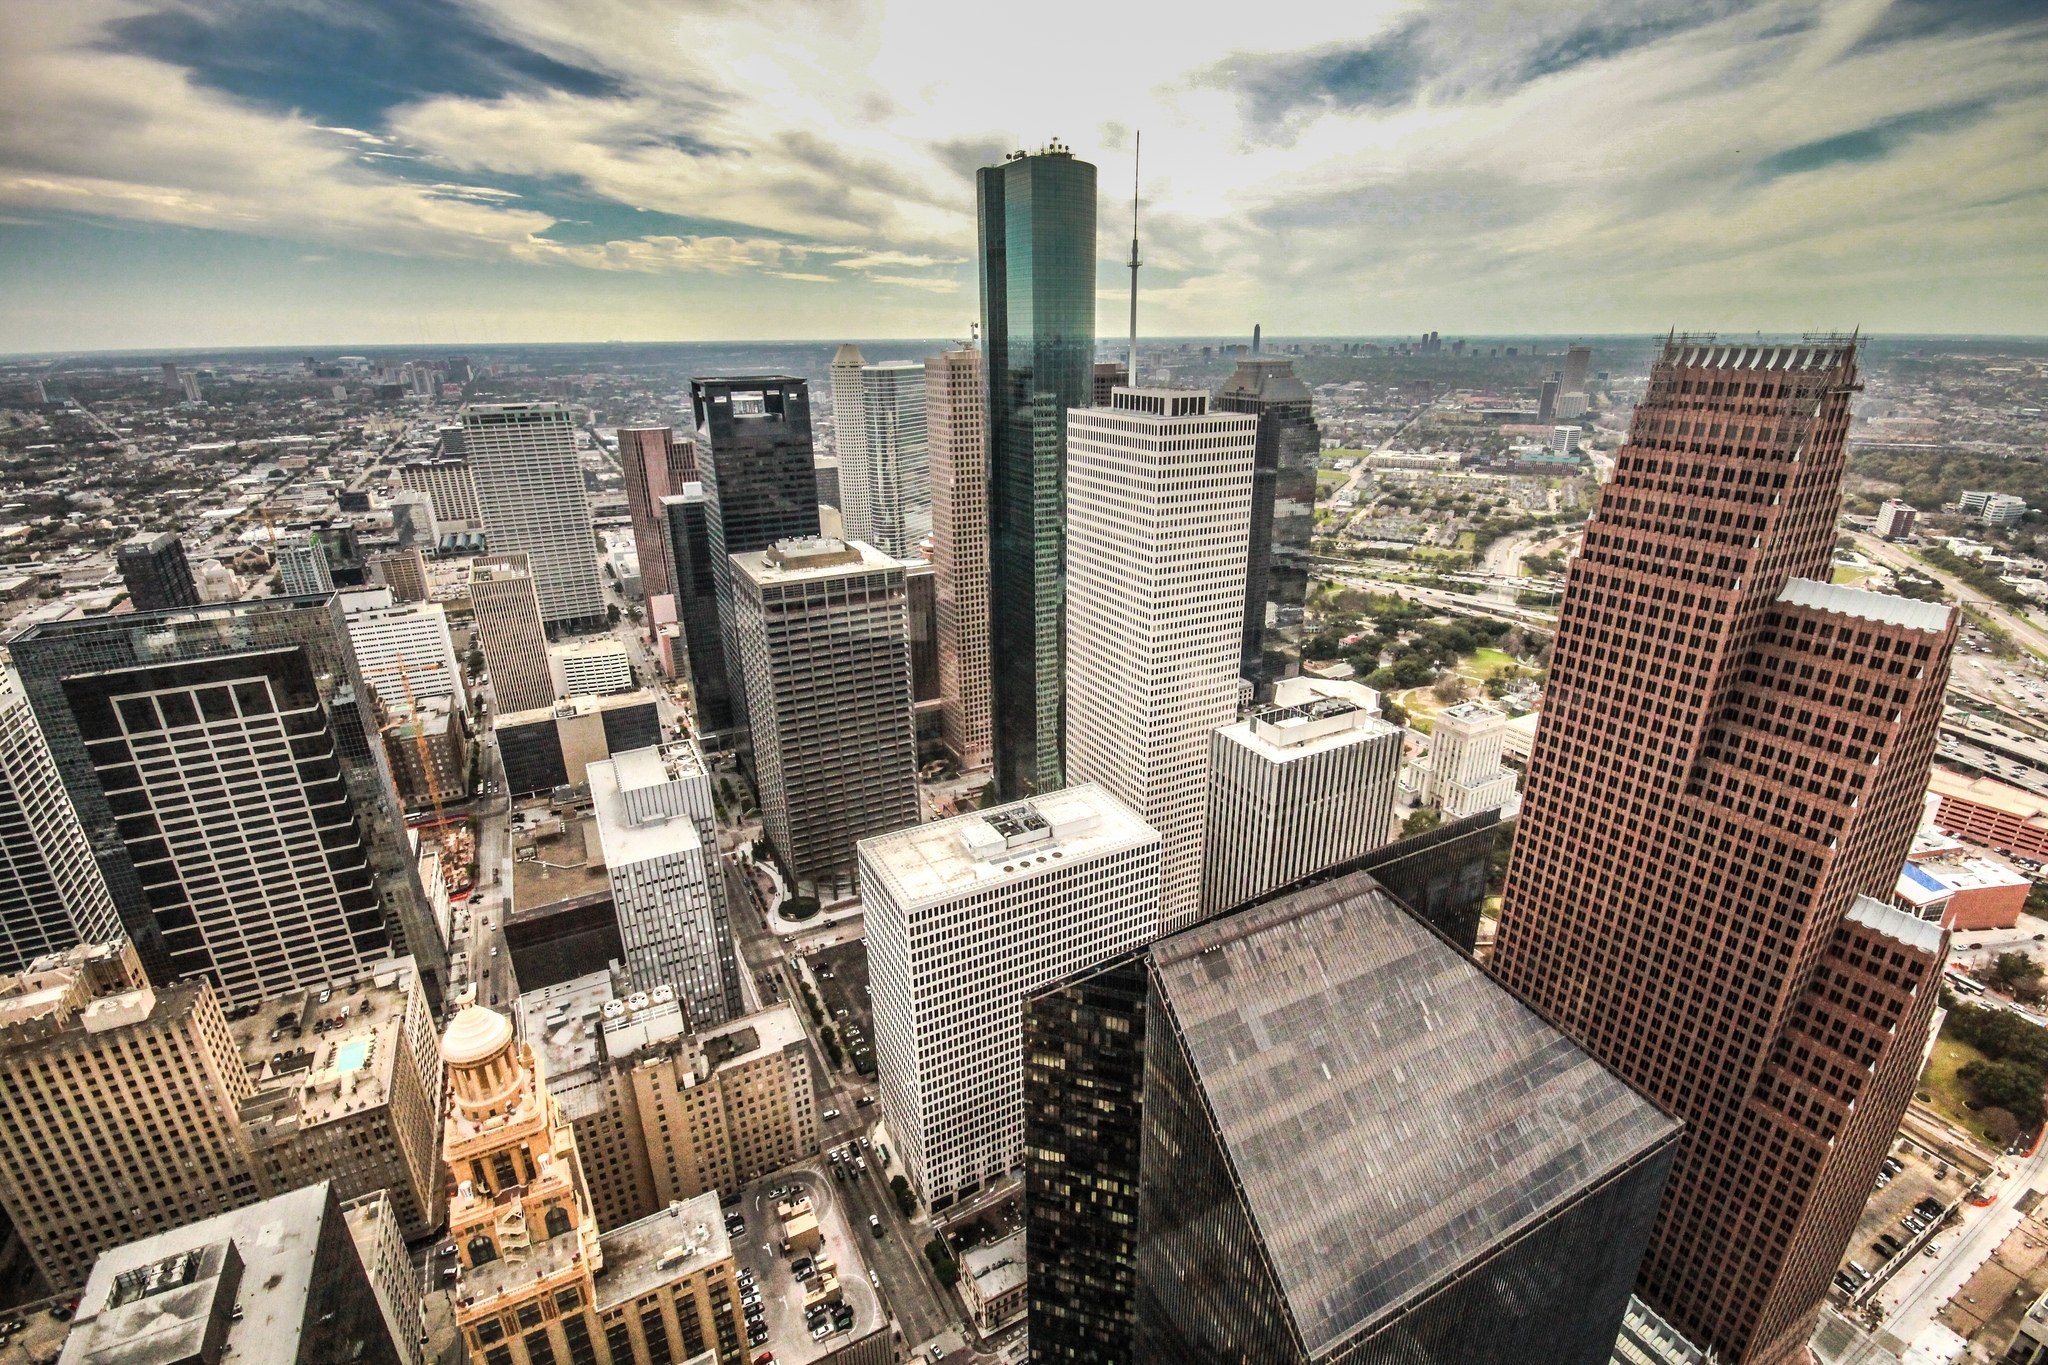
[(941, 861), (1898, 925), (827, 558), (624, 841), (1882, 608)]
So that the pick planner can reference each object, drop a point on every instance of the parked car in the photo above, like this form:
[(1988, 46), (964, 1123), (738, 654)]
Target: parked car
[(875, 1225)]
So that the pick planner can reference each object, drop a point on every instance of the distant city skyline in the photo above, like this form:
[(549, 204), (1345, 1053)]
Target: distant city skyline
[(231, 174)]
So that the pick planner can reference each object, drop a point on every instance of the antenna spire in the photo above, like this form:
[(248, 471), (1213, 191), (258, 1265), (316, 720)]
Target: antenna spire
[(1131, 357)]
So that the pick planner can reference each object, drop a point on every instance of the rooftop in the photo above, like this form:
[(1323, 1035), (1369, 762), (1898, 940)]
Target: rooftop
[(625, 840), (683, 1239), (945, 859), (812, 557), (1882, 608), (1897, 925), (567, 863), (1924, 883), (324, 1052), (1390, 1113), (996, 1267), (1311, 719), (1987, 791)]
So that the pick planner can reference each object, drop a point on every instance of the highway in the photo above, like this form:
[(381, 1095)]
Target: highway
[(1898, 557)]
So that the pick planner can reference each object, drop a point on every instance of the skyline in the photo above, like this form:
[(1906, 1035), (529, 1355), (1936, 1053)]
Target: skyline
[(223, 174)]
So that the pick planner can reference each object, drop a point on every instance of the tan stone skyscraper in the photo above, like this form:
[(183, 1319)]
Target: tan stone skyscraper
[(959, 474), (510, 633), (1726, 781)]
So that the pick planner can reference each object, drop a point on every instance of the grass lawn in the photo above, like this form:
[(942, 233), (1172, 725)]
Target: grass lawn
[(1948, 1096), (1485, 663), (1330, 478), (1851, 574)]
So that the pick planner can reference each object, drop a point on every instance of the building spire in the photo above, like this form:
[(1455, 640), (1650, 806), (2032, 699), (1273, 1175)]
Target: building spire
[(1131, 357)]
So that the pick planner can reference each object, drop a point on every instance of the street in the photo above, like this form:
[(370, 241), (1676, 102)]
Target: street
[(1914, 1297)]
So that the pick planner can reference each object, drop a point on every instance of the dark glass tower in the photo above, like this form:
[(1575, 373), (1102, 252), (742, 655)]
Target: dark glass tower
[(760, 482), (1037, 217), (687, 520), (1283, 515), (155, 572)]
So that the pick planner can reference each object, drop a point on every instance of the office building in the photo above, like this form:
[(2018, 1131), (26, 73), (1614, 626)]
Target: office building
[(1283, 518), (1564, 441), (404, 572), (1729, 737), (921, 594), (288, 864), (1462, 773), (348, 1087), (119, 1108), (2003, 509), (217, 582), (155, 572), (553, 746), (1036, 218), (426, 744), (280, 1281), (528, 1250), (511, 632), (1159, 492), (1991, 813), (1573, 404), (403, 652), (1578, 368), (1109, 377), (412, 520), (966, 919), (696, 592), (1301, 784), (303, 571), (599, 667), (884, 478), (656, 466), (529, 491), (380, 1246), (760, 486), (51, 893), (827, 467), (1311, 1130), (658, 829), (824, 649), (959, 477), (1895, 519), (448, 484), (663, 1112), (1546, 402)]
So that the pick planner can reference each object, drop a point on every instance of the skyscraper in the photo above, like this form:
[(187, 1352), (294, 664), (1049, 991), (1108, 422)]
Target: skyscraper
[(1350, 1145), (510, 633), (959, 477), (1578, 368), (1283, 515), (754, 453), (51, 893), (529, 490), (404, 653), (884, 474), (1159, 495), (824, 651), (656, 466), (1037, 239), (402, 571), (966, 918), (688, 521), (303, 571), (222, 762), (448, 484), (155, 572), (1728, 771)]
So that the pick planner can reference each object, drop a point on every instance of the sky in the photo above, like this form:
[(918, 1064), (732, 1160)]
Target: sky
[(201, 173)]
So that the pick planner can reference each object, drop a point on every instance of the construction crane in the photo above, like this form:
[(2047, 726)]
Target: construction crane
[(419, 740)]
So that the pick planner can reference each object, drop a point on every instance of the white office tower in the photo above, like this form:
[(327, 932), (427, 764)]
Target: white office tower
[(823, 629), (966, 918), (506, 605), (412, 520), (529, 489), (403, 651), (51, 894), (593, 668), (849, 436), (959, 478), (303, 571), (1461, 774), (1159, 495), (1301, 784), (656, 825)]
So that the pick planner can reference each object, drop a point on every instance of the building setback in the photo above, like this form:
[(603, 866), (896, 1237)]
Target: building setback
[(959, 478), (1312, 1131), (1161, 490), (154, 570), (52, 896), (529, 490), (449, 487), (656, 465), (823, 634), (511, 633), (1731, 738), (1283, 515), (1302, 784), (687, 517), (1036, 218), (966, 918)]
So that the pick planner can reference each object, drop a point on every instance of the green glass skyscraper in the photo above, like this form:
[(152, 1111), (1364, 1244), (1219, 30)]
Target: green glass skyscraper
[(1037, 217)]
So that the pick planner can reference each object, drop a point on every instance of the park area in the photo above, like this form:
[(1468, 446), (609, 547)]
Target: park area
[(1421, 661)]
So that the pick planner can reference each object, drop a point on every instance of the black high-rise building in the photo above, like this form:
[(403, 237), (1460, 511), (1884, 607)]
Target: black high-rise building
[(687, 522), (155, 571), (1037, 229), (760, 482), (1313, 1131), (1283, 515)]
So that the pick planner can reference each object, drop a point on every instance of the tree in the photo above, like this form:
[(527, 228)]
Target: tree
[(1393, 713), (1421, 822), (1449, 689), (906, 1202), (611, 613), (474, 660), (943, 1264), (2016, 971), (1999, 1125), (2011, 1086)]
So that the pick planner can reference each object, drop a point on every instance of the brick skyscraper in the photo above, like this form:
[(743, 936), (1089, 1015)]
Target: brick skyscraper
[(1725, 783), (656, 466)]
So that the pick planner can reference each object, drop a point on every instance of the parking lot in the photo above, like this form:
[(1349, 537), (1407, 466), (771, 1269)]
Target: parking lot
[(842, 973), (1920, 1177), (769, 1271)]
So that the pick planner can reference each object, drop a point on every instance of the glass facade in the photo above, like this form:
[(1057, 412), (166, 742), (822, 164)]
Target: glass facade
[(1283, 516), (1037, 230)]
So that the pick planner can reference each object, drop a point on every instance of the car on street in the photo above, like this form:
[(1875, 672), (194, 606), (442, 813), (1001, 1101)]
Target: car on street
[(828, 1114), (875, 1225)]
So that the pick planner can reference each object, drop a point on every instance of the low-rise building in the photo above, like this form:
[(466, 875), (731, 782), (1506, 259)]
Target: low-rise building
[(1462, 773), (1962, 891), (994, 1277), (1895, 519), (1991, 813)]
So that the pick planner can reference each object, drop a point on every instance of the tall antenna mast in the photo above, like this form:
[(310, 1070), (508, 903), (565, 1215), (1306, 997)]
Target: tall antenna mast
[(1131, 357)]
